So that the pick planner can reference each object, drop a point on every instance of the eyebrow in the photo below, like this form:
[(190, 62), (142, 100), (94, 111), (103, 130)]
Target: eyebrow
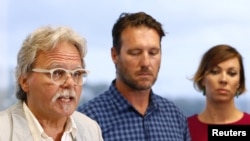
[(233, 67), (62, 65)]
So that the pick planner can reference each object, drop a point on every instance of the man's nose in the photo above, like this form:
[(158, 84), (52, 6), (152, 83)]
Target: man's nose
[(69, 80), (145, 59)]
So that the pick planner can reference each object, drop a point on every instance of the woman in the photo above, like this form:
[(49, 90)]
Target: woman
[(221, 78)]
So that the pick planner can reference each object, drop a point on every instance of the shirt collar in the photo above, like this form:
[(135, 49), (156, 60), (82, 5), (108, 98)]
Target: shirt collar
[(123, 104)]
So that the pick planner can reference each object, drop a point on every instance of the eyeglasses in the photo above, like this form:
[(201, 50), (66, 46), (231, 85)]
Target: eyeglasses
[(59, 75)]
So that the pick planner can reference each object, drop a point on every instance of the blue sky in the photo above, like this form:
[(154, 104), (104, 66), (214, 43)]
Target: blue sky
[(192, 27)]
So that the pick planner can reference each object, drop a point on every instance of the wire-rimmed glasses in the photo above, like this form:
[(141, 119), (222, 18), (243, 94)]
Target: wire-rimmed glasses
[(60, 75)]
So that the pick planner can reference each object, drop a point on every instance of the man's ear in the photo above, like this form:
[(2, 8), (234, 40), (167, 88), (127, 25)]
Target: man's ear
[(24, 83), (114, 55)]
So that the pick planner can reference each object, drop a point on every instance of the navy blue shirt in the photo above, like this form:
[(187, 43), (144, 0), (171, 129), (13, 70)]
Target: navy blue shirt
[(119, 121)]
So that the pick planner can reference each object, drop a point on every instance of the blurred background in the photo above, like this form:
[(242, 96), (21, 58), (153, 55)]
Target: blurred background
[(192, 27)]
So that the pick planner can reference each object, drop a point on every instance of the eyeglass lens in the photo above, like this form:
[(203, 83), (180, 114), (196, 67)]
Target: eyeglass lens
[(59, 76)]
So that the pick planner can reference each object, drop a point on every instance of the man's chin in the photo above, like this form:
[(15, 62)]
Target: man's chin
[(67, 109)]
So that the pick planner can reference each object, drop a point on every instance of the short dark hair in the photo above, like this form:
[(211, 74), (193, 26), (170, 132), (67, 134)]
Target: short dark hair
[(133, 20)]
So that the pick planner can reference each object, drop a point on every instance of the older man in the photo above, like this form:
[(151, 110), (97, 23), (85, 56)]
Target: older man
[(50, 73)]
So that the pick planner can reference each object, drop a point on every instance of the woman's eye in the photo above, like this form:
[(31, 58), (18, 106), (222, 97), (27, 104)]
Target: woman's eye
[(214, 71), (232, 73)]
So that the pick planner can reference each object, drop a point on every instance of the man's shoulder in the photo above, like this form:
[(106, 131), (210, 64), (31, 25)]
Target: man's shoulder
[(78, 116), (87, 127), (163, 101), (100, 101), (5, 115), (83, 120), (15, 108), (167, 105), (10, 117)]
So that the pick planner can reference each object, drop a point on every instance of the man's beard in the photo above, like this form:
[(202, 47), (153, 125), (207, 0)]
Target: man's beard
[(126, 77)]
